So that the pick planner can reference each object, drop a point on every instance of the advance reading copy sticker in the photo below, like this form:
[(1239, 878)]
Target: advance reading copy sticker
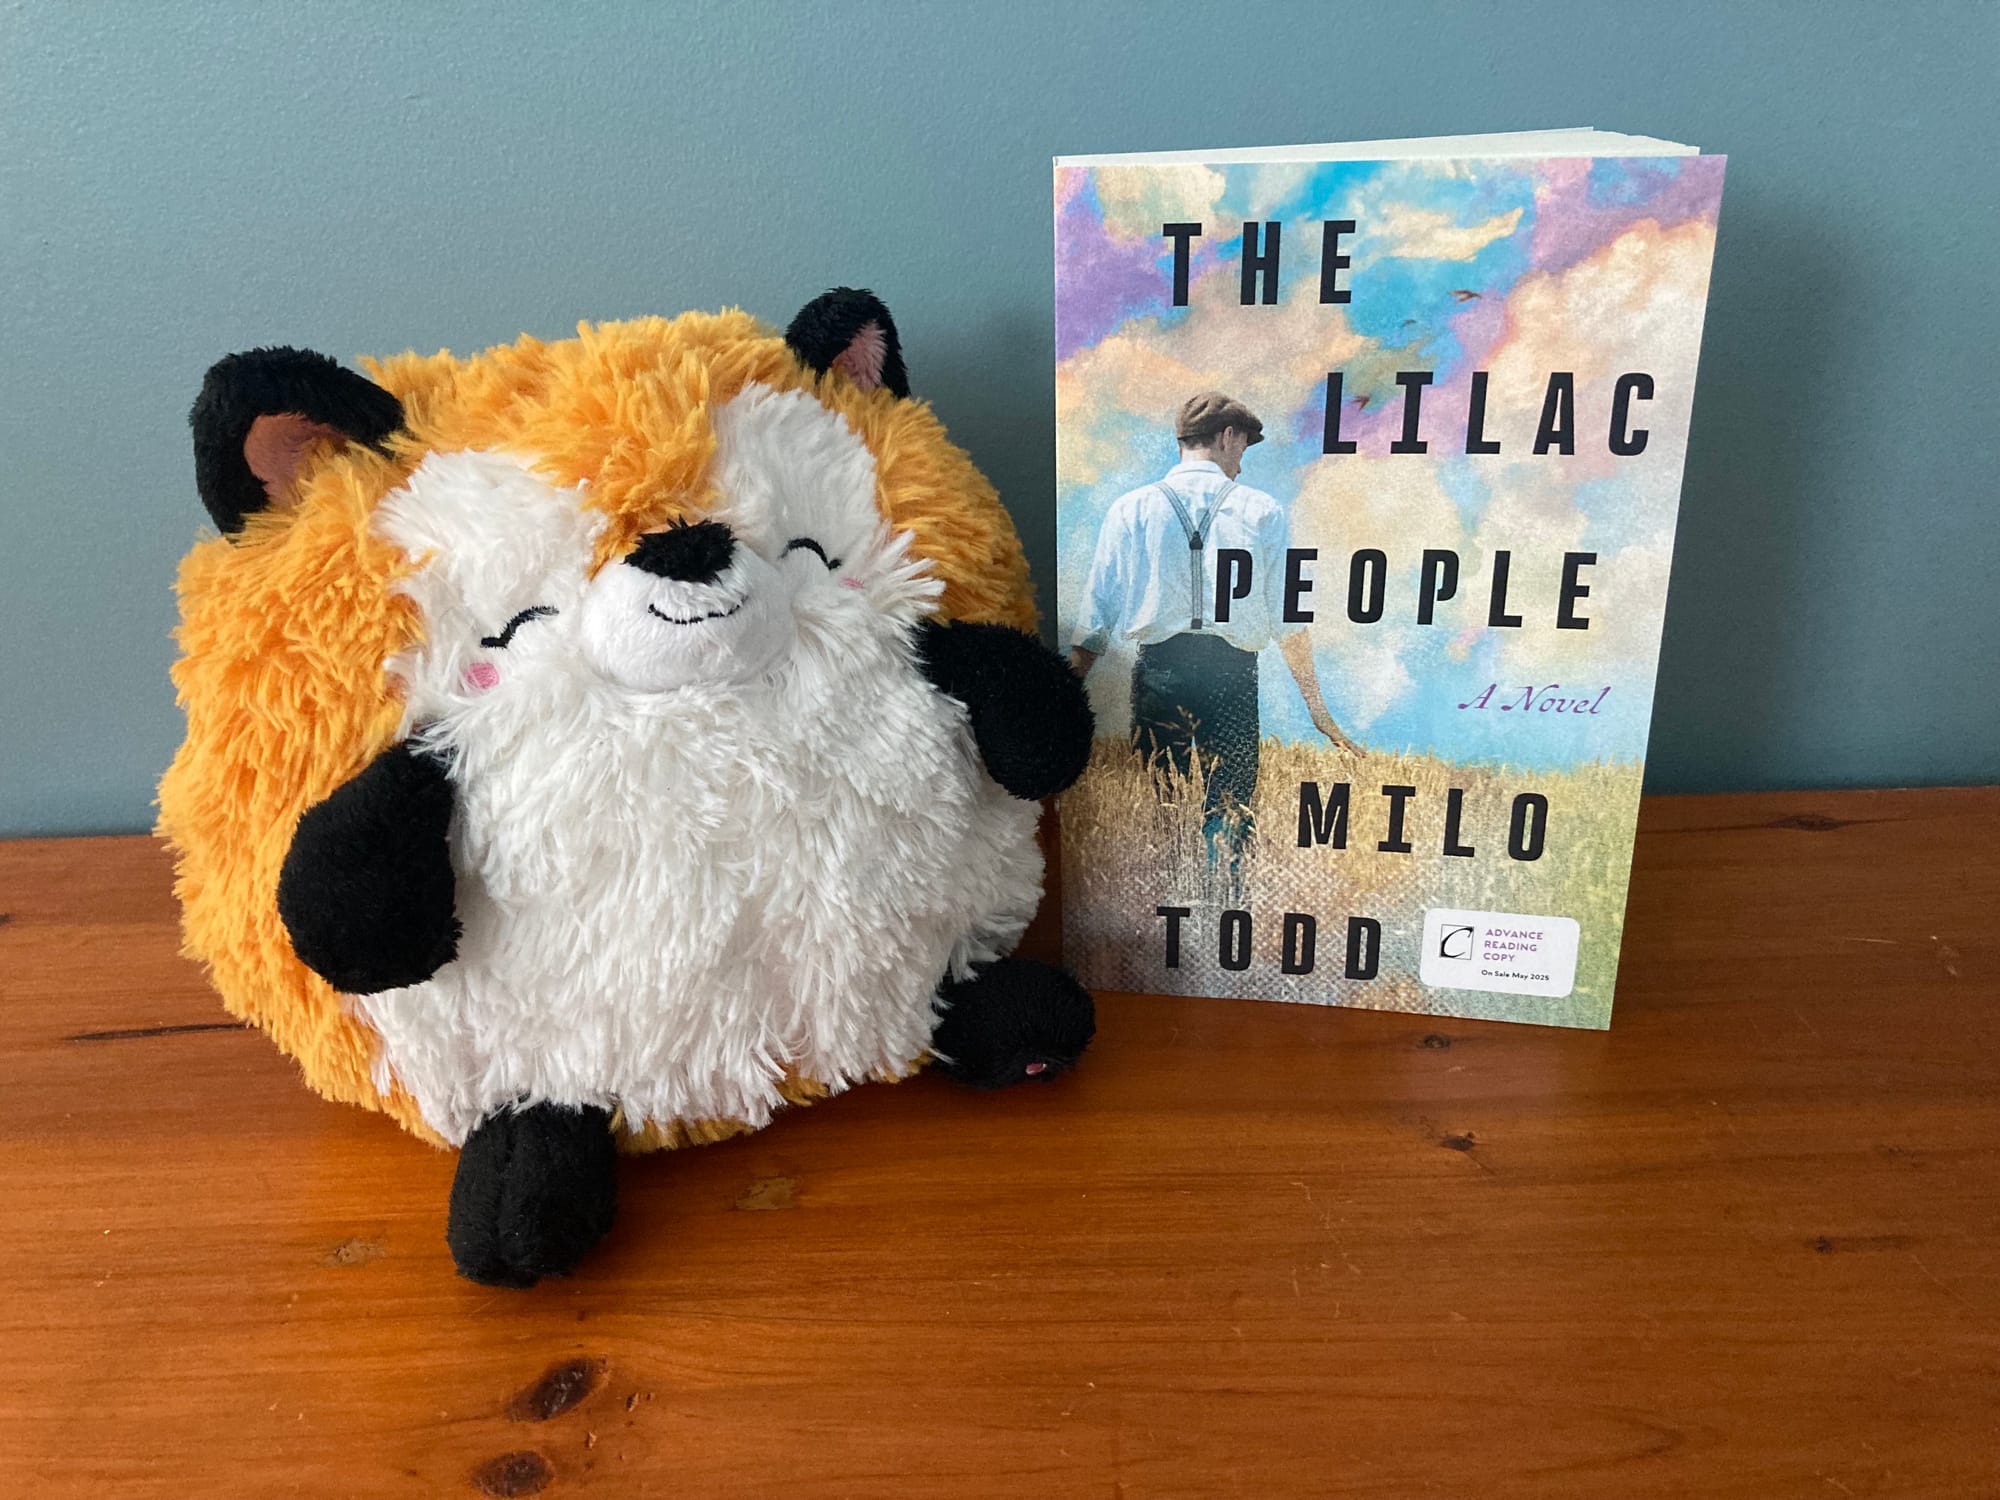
[(1499, 950)]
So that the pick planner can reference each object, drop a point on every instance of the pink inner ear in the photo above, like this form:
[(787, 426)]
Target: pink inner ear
[(861, 360), (276, 445)]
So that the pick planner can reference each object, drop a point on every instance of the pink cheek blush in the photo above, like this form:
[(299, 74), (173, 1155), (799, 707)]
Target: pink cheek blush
[(852, 583), (481, 676)]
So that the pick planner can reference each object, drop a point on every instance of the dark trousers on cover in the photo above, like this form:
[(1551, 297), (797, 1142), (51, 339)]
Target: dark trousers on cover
[(1196, 691)]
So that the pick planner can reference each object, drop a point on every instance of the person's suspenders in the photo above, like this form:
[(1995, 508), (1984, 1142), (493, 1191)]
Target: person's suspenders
[(1197, 539)]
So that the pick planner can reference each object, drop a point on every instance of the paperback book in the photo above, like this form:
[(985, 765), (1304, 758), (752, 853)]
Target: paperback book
[(1368, 461)]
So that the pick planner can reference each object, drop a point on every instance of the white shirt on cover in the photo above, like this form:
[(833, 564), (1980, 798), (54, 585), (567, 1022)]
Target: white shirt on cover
[(1141, 582)]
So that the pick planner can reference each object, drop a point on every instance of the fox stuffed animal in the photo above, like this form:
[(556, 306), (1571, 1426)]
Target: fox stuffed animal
[(602, 743)]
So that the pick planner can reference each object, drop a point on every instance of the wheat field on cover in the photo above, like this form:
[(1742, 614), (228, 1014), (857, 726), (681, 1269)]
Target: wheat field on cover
[(1133, 841)]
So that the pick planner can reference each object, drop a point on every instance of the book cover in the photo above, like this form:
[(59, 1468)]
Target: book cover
[(1367, 472)]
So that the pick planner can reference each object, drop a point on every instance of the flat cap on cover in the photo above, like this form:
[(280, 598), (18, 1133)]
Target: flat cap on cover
[(1202, 416)]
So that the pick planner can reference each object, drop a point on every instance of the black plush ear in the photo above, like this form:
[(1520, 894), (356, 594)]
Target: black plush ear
[(850, 331), (258, 411)]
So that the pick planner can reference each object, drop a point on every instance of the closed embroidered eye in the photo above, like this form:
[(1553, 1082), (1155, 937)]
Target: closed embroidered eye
[(806, 541), (533, 612)]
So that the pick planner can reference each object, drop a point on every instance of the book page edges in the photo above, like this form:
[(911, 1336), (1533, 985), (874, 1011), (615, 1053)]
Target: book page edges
[(1579, 141)]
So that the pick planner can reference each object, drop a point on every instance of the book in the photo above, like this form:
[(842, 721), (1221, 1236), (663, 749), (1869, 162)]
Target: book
[(1368, 461)]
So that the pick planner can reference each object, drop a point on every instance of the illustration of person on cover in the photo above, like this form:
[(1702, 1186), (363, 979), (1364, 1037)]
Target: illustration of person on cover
[(1152, 584)]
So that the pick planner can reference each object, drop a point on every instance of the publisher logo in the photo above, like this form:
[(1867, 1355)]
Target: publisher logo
[(1502, 952)]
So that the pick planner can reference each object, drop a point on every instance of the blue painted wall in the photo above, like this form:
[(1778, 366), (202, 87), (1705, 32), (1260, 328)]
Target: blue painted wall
[(181, 180)]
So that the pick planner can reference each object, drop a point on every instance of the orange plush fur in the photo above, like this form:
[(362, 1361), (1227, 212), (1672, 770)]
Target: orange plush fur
[(285, 629)]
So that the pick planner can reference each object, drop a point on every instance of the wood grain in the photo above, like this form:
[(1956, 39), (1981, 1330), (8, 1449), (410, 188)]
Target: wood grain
[(1747, 1244)]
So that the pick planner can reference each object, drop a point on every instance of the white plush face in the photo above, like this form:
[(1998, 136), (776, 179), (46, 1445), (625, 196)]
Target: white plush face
[(795, 548)]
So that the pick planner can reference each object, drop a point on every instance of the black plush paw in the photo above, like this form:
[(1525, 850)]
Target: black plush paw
[(1030, 715), (535, 1192), (367, 893), (1014, 1020)]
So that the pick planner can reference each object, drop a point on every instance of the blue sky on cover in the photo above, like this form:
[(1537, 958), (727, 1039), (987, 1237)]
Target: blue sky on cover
[(1410, 310)]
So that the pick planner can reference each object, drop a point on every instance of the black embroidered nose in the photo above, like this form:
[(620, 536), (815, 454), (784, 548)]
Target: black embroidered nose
[(687, 554)]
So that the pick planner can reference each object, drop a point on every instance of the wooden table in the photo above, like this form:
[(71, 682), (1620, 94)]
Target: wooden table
[(1746, 1244)]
